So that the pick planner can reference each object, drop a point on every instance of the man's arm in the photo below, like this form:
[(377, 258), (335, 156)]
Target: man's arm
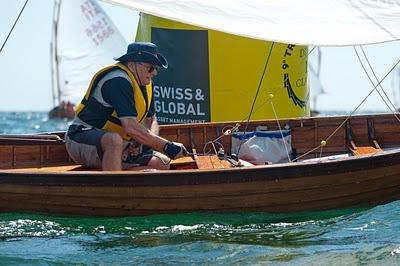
[(142, 134), (151, 123)]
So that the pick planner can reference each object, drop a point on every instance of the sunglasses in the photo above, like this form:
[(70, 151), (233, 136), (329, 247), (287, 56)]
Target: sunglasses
[(150, 68)]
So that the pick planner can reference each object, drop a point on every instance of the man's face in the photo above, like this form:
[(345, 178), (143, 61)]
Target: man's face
[(145, 72)]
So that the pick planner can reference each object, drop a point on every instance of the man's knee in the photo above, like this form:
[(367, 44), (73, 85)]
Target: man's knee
[(111, 140), (159, 161)]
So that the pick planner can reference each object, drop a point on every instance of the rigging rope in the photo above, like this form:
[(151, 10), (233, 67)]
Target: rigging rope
[(366, 97), (259, 85), (312, 50), (12, 28), (323, 142), (376, 78), (280, 129), (258, 90), (369, 77)]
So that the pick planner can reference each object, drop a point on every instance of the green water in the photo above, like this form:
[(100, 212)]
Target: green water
[(336, 237), (342, 237)]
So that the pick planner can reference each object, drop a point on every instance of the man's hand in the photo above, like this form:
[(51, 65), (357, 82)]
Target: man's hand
[(175, 150)]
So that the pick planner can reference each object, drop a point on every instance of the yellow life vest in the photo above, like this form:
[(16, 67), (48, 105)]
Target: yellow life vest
[(95, 114)]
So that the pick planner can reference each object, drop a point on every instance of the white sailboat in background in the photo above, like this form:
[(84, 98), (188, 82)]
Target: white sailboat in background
[(84, 39), (314, 80), (396, 87)]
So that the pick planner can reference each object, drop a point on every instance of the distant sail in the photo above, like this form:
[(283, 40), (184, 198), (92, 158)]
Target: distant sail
[(396, 86), (314, 80), (85, 40)]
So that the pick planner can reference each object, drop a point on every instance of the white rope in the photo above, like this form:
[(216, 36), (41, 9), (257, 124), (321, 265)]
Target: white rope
[(393, 111), (323, 142), (280, 129)]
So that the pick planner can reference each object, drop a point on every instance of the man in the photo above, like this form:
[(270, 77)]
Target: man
[(115, 126)]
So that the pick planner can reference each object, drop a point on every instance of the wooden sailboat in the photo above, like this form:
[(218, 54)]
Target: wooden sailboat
[(336, 162), (83, 39), (359, 166)]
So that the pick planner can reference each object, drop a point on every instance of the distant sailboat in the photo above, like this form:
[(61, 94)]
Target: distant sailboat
[(396, 87), (84, 39), (314, 81)]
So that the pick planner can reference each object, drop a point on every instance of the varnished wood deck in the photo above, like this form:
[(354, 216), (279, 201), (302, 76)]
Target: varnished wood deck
[(201, 162)]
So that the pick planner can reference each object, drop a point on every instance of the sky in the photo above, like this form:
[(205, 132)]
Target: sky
[(25, 82)]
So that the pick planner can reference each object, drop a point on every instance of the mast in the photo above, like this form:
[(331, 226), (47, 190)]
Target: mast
[(55, 80)]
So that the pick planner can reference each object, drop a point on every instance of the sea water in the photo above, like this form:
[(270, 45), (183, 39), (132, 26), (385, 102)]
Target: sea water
[(340, 237)]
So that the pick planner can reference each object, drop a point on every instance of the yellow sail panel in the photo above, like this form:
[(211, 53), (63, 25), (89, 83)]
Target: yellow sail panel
[(214, 76)]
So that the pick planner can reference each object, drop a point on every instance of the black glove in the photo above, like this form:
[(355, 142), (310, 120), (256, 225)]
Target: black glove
[(175, 150)]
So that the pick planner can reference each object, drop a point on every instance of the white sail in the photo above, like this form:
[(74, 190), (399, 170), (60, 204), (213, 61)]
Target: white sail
[(313, 75), (85, 40), (396, 86), (306, 22)]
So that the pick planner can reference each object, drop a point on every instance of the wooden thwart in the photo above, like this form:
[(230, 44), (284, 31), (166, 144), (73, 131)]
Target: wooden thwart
[(182, 161), (211, 162), (355, 150)]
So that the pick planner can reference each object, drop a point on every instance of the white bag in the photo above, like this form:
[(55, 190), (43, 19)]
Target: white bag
[(263, 147)]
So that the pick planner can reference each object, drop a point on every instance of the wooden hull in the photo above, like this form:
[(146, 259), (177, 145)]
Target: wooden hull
[(359, 181), (292, 187)]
